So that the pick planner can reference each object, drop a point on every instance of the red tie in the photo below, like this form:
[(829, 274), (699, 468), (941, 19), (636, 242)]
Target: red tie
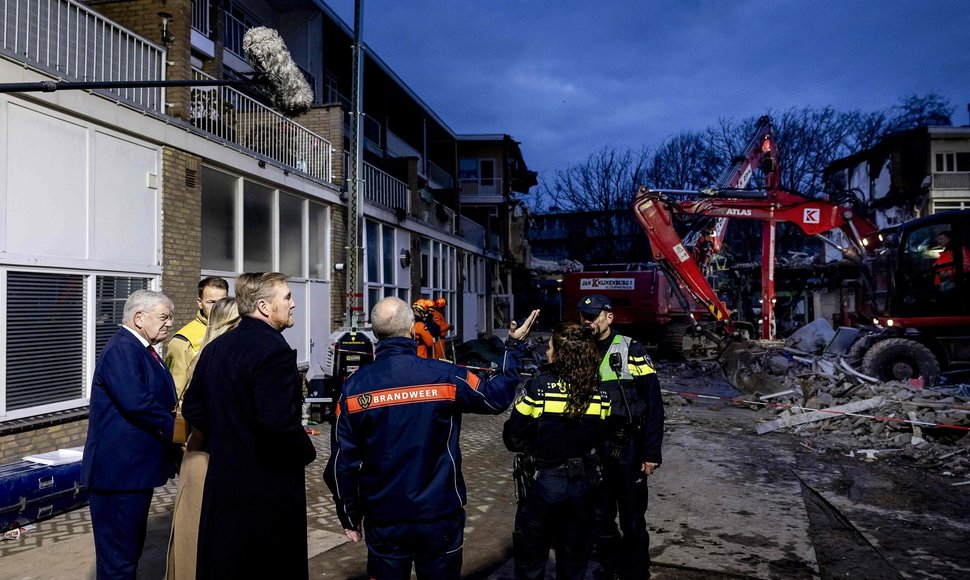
[(154, 354)]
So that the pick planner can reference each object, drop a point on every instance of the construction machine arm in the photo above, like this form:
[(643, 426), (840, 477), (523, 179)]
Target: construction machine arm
[(653, 213)]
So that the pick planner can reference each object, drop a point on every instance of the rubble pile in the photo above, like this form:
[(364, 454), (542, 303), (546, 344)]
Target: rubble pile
[(823, 398)]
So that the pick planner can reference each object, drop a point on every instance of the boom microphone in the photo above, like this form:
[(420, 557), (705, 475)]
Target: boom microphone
[(275, 72)]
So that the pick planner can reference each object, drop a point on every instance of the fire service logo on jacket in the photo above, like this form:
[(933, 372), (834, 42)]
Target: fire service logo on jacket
[(607, 284), (402, 396)]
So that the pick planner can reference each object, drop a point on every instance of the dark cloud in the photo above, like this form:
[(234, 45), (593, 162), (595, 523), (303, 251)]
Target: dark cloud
[(567, 77)]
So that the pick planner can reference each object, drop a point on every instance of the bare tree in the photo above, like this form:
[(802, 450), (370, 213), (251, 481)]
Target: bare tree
[(686, 161), (931, 110), (607, 180)]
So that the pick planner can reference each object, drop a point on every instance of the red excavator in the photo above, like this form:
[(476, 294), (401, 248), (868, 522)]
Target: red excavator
[(914, 278)]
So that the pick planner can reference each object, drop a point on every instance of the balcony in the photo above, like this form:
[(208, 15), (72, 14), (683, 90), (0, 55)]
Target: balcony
[(236, 118), (68, 41), (438, 178), (959, 180), (476, 191), (381, 189), (201, 9), (471, 232)]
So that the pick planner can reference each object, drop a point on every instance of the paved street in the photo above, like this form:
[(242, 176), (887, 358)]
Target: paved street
[(725, 504)]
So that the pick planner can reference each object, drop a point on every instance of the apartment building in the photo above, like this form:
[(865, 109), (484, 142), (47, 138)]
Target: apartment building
[(106, 191)]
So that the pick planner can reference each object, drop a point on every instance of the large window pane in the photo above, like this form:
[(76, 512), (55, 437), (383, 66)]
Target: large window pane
[(425, 262), (373, 250), (318, 241), (291, 235), (218, 220), (45, 332), (257, 228), (389, 257)]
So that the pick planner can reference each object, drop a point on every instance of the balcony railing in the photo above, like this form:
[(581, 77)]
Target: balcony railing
[(233, 36), (951, 180), (471, 232), (73, 43), (200, 16), (380, 188), (439, 177), (481, 186), (231, 115)]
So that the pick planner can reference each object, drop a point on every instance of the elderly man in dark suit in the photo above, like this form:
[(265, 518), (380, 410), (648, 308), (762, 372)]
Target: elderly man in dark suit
[(129, 450), (246, 397)]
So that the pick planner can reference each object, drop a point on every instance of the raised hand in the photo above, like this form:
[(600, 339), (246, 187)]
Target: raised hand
[(520, 332)]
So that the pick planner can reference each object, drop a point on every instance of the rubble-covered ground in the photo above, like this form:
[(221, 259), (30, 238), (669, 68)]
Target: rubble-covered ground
[(831, 406)]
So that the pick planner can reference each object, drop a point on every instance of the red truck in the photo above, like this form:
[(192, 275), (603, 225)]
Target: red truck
[(645, 305)]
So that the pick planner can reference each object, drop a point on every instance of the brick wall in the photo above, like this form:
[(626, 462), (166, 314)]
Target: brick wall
[(338, 245), (181, 183), (141, 17), (15, 446), (328, 122)]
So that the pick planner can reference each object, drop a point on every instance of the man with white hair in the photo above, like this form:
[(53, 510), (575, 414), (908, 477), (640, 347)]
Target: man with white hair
[(129, 449), (395, 462)]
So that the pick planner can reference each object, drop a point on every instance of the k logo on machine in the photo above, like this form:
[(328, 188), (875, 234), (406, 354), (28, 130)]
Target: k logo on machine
[(364, 401), (811, 215)]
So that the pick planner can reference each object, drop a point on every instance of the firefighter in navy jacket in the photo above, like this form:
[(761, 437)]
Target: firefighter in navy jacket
[(395, 463), (557, 425)]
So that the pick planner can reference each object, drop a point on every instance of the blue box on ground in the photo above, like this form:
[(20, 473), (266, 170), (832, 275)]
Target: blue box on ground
[(41, 487)]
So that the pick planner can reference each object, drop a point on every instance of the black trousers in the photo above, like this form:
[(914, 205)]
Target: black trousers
[(433, 547), (557, 514), (623, 492)]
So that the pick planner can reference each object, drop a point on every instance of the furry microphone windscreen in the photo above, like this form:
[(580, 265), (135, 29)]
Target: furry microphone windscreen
[(276, 73)]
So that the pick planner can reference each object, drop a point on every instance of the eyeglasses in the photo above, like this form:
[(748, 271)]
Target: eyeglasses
[(162, 317)]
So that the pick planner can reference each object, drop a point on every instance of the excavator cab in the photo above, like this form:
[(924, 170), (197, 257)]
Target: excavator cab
[(920, 294), (934, 268)]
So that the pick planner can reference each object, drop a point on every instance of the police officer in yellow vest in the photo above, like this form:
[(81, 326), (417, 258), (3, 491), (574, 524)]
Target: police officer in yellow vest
[(186, 343), (632, 450)]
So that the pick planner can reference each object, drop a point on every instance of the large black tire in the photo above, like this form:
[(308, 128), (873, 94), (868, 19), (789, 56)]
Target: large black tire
[(856, 353), (901, 359)]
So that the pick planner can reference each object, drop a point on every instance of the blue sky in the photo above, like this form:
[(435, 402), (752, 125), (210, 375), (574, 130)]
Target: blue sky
[(567, 77)]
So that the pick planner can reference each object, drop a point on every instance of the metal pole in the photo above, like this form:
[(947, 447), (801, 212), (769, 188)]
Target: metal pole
[(355, 205)]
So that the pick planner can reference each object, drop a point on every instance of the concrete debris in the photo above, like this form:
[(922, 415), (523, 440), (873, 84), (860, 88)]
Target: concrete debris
[(822, 399), (811, 338)]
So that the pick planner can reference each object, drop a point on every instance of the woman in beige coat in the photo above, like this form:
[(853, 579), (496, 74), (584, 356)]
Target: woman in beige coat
[(184, 539)]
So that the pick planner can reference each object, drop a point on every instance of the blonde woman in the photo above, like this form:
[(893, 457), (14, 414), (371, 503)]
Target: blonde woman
[(184, 539)]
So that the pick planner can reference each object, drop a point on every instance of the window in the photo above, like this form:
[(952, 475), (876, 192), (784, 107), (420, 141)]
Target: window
[(382, 279), (319, 237), (441, 281), (952, 162), (257, 227), (280, 230), (49, 330), (218, 220), (291, 235)]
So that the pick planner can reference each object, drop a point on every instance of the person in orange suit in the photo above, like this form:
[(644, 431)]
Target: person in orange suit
[(425, 330), (438, 315)]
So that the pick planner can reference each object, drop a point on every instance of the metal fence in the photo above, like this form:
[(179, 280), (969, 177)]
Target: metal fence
[(382, 189), (233, 36), (200, 16), (237, 118), (69, 41)]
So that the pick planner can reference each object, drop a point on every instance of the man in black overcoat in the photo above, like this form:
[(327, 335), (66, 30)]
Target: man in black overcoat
[(246, 397)]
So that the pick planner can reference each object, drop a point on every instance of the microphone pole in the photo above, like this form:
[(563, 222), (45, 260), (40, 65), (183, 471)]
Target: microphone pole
[(274, 74), (53, 86)]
